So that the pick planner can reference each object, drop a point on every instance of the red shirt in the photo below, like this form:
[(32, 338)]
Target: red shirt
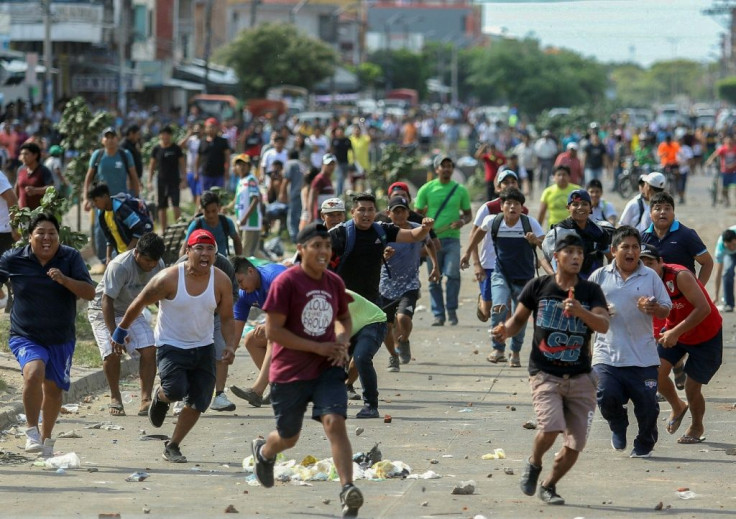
[(39, 177), (491, 163), (311, 307), (681, 308), (728, 158), (494, 207), (576, 168), (324, 189)]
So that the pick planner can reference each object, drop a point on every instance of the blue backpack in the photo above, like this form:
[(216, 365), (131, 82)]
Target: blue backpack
[(350, 243)]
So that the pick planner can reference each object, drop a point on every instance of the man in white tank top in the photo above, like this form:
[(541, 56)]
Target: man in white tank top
[(189, 294)]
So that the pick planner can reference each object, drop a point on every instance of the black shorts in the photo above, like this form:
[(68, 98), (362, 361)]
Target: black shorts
[(289, 400), (187, 374), (703, 359), (404, 305), (168, 191)]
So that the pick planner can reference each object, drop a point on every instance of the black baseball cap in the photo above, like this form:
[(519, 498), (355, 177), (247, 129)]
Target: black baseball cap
[(650, 251), (568, 240), (398, 201), (312, 230)]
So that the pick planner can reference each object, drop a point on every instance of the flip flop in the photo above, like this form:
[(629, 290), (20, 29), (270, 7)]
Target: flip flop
[(116, 409), (479, 313), (514, 362), (675, 423), (144, 411), (686, 439)]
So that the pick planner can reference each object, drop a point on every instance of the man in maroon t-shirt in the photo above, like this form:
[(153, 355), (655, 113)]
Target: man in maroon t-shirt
[(321, 187), (492, 161), (308, 322), (570, 159)]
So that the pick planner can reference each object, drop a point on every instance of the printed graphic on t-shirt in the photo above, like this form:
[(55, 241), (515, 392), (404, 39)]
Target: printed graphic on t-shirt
[(317, 313), (567, 334)]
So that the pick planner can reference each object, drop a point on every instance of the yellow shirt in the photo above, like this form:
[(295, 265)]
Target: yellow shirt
[(361, 150), (120, 245), (556, 200)]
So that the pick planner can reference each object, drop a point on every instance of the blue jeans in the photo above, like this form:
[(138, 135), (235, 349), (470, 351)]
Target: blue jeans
[(448, 259), (618, 385), (341, 171), (502, 291), (727, 278), (366, 344), (295, 213)]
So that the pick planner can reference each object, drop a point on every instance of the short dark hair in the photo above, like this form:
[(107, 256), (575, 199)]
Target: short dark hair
[(661, 197), (280, 163), (623, 232), (98, 190), (562, 167), (167, 129), (207, 198), (512, 193), (32, 147), (241, 264), (728, 235), (133, 128), (151, 245), (43, 217), (293, 154), (595, 183), (364, 197)]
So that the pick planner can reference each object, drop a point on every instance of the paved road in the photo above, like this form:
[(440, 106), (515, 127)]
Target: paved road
[(449, 405)]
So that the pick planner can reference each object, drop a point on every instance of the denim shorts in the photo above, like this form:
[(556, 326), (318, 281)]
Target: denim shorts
[(327, 393), (57, 358), (187, 374)]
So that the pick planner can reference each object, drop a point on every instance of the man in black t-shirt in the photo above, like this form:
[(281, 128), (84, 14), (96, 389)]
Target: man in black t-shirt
[(131, 142), (169, 160), (567, 310), (360, 269), (339, 147), (213, 159)]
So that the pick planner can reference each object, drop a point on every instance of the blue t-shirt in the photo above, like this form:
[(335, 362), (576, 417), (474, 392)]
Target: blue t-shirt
[(221, 235), (404, 268), (246, 300), (43, 311), (112, 170), (679, 246)]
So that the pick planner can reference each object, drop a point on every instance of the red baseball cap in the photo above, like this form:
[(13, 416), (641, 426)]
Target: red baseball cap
[(201, 236), (398, 185), (211, 122)]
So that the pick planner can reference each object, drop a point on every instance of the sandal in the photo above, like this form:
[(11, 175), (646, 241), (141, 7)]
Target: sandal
[(675, 423), (686, 439), (514, 361), (116, 409), (496, 356), (479, 313)]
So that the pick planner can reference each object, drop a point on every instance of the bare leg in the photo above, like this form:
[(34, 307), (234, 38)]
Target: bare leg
[(177, 213), (352, 374), (404, 325), (563, 463), (51, 406), (543, 442), (111, 368), (187, 419), (261, 383), (389, 340), (257, 347), (667, 389), (147, 374), (342, 451), (34, 374), (220, 376), (162, 218), (275, 444), (694, 392)]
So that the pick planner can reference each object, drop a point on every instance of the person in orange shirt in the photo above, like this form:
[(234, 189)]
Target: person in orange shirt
[(408, 132), (667, 152)]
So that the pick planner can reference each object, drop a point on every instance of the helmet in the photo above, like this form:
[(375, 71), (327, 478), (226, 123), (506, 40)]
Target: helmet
[(56, 151)]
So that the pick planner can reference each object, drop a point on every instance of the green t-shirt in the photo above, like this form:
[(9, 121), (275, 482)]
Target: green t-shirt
[(363, 312), (556, 200), (432, 194)]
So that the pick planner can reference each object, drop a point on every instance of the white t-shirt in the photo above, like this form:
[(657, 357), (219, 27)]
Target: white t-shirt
[(604, 211), (486, 250), (319, 147), (4, 209), (192, 147), (631, 213)]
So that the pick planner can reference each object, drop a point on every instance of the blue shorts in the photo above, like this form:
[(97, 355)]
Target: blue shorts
[(210, 182), (187, 374), (485, 286), (703, 359), (194, 186), (327, 393), (728, 179), (57, 358)]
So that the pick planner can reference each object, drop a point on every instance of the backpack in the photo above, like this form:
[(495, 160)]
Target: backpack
[(350, 243), (137, 206), (525, 225), (100, 153), (199, 224)]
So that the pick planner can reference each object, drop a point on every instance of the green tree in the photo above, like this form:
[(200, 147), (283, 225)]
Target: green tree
[(403, 68), (727, 89), (273, 54)]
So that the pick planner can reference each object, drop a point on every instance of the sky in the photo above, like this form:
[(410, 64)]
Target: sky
[(643, 31)]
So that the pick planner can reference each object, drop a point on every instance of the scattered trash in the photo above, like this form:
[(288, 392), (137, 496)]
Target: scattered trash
[(370, 458), (359, 431), (109, 516), (387, 418), (433, 462), (508, 471), (428, 378), (151, 437), (146, 510), (10, 458), (478, 516), (425, 503), (426, 475), (93, 469), (497, 454), (88, 399), (137, 476), (731, 451), (465, 410), (683, 489), (69, 460), (465, 488), (513, 408), (530, 424), (231, 510), (326, 501), (69, 409), (105, 426), (688, 494), (69, 434), (60, 471), (659, 506), (420, 308), (448, 456)]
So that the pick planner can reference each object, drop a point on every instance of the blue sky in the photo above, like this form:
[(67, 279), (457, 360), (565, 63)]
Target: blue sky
[(644, 31)]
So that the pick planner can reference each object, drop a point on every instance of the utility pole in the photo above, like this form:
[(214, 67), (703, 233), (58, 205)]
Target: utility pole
[(453, 74), (123, 31), (207, 44), (48, 85), (253, 12)]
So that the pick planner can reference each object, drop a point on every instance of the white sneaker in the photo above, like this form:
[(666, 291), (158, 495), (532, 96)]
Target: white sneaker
[(177, 407), (222, 403), (723, 308), (33, 440), (48, 448)]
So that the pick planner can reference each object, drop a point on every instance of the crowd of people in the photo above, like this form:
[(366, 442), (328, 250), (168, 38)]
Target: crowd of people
[(606, 328)]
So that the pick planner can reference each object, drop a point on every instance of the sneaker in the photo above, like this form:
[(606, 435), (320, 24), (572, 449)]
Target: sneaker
[(550, 496), (368, 411), (404, 351), (172, 453), (640, 453), (48, 448), (618, 440), (33, 440), (222, 403), (452, 317), (723, 308), (529, 478), (438, 321), (157, 410), (263, 467), (352, 394), (351, 499), (393, 364), (251, 396), (178, 406)]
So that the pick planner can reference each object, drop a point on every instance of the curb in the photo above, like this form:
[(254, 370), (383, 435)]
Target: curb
[(85, 384)]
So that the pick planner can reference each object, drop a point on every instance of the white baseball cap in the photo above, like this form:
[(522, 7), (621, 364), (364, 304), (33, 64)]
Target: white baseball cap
[(655, 179)]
